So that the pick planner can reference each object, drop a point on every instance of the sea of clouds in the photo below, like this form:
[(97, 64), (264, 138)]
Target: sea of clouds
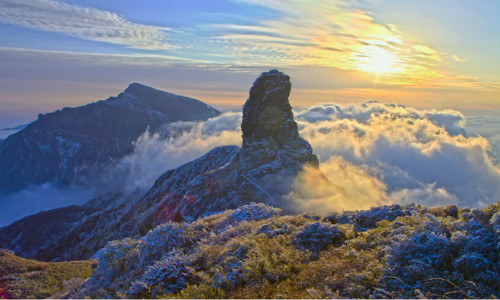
[(371, 154)]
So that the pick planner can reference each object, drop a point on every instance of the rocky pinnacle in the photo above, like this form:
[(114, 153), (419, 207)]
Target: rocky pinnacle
[(268, 126), (267, 114)]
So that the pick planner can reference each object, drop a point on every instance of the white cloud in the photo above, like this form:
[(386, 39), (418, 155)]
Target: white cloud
[(346, 187), (87, 23), (408, 150), (428, 195)]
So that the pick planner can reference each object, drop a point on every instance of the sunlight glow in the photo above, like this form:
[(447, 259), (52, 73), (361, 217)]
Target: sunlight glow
[(374, 59)]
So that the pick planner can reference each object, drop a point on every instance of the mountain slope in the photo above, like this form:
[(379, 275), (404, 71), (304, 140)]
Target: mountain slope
[(263, 170), (77, 232), (71, 145)]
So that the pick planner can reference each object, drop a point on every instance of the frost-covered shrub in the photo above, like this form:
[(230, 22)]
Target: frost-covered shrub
[(443, 211), (272, 259), (441, 257), (495, 221), (336, 218), (424, 248), (369, 218), (470, 264), (118, 262), (254, 211), (228, 273), (274, 229), (317, 236), (162, 239), (168, 275), (479, 239)]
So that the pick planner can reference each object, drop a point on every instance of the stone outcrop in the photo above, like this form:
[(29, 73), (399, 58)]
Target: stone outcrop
[(270, 134)]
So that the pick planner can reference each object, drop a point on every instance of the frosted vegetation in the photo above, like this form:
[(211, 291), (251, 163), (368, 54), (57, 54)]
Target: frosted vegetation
[(256, 251)]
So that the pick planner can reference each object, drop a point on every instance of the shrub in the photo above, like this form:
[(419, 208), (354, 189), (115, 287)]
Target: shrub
[(336, 218), (424, 249), (446, 211), (274, 229), (254, 211), (168, 275), (118, 263), (162, 239), (272, 259), (369, 218), (317, 236)]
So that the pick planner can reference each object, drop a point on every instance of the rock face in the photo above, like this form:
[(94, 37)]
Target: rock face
[(70, 145), (271, 142), (267, 113)]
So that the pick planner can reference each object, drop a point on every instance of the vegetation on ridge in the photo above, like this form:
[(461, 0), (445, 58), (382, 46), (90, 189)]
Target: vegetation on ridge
[(257, 252)]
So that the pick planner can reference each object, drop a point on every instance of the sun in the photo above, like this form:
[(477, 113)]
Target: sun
[(374, 59)]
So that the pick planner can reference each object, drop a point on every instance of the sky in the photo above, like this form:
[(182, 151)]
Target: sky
[(426, 54)]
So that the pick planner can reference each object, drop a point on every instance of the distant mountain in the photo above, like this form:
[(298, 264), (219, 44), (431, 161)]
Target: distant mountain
[(70, 145), (263, 170)]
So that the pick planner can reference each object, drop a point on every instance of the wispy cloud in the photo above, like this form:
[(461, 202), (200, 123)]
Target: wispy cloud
[(340, 35), (83, 22)]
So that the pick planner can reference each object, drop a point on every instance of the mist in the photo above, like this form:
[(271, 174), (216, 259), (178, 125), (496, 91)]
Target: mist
[(37, 198), (153, 154)]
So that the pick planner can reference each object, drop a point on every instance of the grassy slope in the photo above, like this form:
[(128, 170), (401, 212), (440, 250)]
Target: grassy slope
[(26, 278)]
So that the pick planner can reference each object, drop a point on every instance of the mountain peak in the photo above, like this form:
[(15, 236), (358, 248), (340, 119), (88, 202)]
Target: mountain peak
[(137, 89), (268, 126), (267, 113)]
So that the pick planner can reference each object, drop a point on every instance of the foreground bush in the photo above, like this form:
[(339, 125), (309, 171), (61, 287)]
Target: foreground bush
[(255, 252)]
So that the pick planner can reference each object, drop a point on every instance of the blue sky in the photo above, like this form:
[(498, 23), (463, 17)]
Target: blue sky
[(432, 54)]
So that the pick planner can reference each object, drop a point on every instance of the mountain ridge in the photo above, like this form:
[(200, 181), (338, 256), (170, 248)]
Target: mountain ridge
[(71, 145)]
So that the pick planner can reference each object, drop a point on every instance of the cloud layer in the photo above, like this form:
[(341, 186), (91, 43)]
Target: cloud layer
[(154, 155), (371, 154), (421, 156)]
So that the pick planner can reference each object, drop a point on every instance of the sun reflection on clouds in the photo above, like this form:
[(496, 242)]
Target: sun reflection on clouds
[(336, 34)]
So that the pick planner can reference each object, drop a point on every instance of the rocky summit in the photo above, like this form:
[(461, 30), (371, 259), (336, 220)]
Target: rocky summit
[(263, 170), (270, 137)]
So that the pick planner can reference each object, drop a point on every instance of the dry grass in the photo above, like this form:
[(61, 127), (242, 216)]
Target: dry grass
[(26, 278)]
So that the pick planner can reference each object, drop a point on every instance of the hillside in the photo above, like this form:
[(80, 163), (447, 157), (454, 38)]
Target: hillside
[(262, 170), (255, 251), (73, 145), (26, 278)]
